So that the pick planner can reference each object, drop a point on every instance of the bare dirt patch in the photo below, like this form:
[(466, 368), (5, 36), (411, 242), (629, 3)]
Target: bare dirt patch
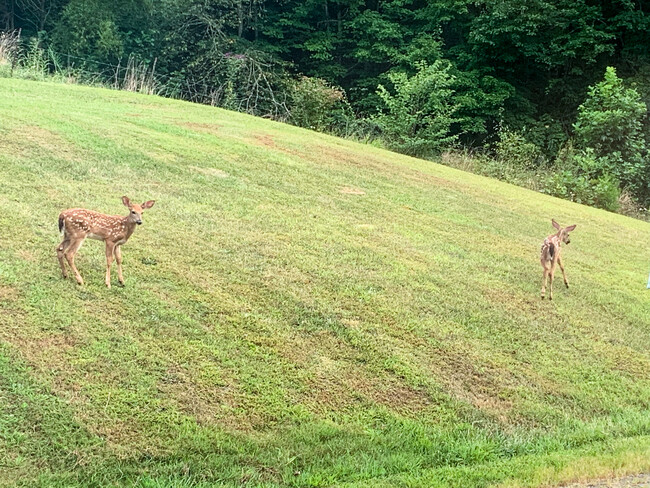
[(265, 140), (41, 352)]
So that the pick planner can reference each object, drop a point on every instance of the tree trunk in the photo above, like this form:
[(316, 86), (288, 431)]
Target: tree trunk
[(240, 15)]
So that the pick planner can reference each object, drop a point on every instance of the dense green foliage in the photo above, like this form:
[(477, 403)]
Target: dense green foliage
[(301, 311), (417, 118), (609, 126), (519, 65)]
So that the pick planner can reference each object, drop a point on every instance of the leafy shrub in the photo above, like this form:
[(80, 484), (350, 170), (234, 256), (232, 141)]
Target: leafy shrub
[(582, 177), (314, 103), (547, 133), (513, 150), (512, 159), (602, 193), (416, 118), (87, 28), (609, 124), (576, 176), (317, 105), (35, 64)]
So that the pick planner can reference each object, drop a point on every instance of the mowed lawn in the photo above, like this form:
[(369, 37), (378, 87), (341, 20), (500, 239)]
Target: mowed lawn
[(301, 310)]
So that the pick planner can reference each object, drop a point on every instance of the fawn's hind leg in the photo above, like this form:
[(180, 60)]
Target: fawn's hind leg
[(551, 275), (69, 256), (60, 254), (566, 281), (544, 278)]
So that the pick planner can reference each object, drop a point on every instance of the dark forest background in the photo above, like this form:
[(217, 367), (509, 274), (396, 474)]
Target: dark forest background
[(549, 94)]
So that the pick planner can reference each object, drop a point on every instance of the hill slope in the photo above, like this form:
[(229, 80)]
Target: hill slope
[(301, 310)]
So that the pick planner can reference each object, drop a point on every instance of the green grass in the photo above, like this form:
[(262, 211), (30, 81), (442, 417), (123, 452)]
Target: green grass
[(301, 310)]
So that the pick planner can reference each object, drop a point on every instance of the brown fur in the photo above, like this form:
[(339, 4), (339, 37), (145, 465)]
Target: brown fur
[(552, 256), (77, 224)]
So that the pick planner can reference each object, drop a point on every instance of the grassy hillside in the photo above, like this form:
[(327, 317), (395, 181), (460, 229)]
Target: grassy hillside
[(301, 310)]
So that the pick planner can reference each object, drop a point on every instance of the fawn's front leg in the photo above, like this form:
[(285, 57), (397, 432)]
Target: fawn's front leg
[(110, 250), (118, 260)]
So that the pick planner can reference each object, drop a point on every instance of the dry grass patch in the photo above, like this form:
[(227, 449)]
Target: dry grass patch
[(208, 404), (24, 139), (8, 294), (218, 173), (340, 386), (213, 129), (347, 190), (336, 157), (265, 140), (470, 379)]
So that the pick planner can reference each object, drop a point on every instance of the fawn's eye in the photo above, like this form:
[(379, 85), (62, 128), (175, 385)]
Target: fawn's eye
[(133, 212)]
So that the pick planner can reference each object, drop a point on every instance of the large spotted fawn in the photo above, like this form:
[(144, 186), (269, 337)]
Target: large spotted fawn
[(551, 256), (78, 223)]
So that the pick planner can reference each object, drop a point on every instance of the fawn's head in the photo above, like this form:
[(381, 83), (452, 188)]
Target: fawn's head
[(563, 233), (135, 210)]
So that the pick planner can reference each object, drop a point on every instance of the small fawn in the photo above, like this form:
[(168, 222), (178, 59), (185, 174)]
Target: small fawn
[(551, 256), (78, 223)]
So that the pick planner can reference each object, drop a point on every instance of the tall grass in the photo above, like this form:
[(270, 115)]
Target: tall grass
[(30, 60), (138, 77), (9, 49)]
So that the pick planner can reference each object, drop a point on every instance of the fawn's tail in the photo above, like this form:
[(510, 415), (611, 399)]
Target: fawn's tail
[(61, 223)]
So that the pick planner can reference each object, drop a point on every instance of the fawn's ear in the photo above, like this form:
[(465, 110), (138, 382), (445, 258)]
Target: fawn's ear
[(555, 224), (148, 204), (126, 201), (570, 228)]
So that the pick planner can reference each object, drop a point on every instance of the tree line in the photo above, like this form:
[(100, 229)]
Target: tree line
[(554, 87)]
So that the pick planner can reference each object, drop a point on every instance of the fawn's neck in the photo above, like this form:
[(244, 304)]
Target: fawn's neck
[(129, 226)]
